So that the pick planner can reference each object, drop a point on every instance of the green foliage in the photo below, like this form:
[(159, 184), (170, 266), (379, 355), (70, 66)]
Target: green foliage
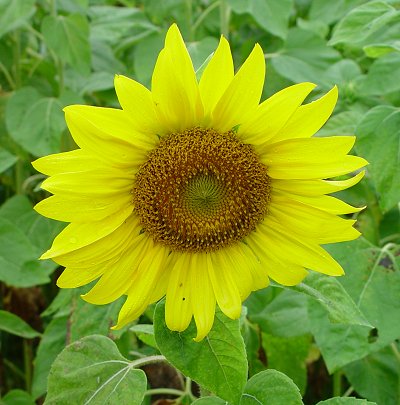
[(58, 349)]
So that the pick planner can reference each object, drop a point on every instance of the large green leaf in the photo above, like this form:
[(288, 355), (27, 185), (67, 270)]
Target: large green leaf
[(346, 401), (14, 13), (218, 362), (6, 159), (13, 324), (374, 285), (331, 11), (376, 377), (272, 16), (378, 141), (68, 37), (17, 397), (92, 371), (35, 122), (304, 57), (363, 21), (271, 387)]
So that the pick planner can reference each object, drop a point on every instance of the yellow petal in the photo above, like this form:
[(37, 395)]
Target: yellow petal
[(308, 221), (77, 235), (315, 187), (178, 305), (225, 288), (109, 247), (140, 291), (243, 94), (309, 118), (137, 103), (81, 209), (108, 134), (174, 86), (104, 182), (73, 161), (297, 250), (203, 298), (311, 158), (216, 77), (72, 277), (271, 115)]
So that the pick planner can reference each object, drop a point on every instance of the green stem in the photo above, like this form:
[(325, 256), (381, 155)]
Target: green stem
[(189, 18), (204, 14), (188, 389), (12, 367), (147, 360), (166, 391), (348, 391), (19, 176), (224, 18), (337, 384), (8, 76), (28, 364), (395, 351)]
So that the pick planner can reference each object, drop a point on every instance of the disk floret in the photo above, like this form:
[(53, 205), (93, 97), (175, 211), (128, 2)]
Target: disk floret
[(200, 190)]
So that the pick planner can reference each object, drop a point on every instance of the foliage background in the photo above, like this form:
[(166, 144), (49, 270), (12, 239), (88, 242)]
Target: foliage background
[(330, 337)]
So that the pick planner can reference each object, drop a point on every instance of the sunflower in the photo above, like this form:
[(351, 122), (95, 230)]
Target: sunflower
[(197, 192)]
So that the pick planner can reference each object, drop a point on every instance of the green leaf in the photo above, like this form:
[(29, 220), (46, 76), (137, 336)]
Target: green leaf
[(218, 363), (363, 21), (379, 79), (378, 140), (272, 16), (13, 324), (304, 56), (68, 37), (334, 298), (53, 341), (271, 387), (376, 377), (17, 397), (6, 159), (331, 11), (145, 333), (108, 377), (345, 401), (35, 122), (288, 355), (210, 401), (344, 123), (286, 315), (379, 50), (14, 14), (374, 285), (199, 51)]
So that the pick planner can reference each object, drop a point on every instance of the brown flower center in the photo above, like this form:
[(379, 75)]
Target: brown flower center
[(200, 190)]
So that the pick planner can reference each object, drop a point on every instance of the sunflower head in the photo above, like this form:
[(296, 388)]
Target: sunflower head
[(196, 191)]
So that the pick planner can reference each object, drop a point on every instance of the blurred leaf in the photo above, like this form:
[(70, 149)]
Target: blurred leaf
[(68, 37), (199, 51), (271, 387), (378, 141), (272, 16), (17, 397), (13, 324), (96, 81), (35, 122), (304, 57), (343, 73), (145, 333), (344, 123), (379, 79), (288, 355), (316, 26), (286, 315), (53, 341), (104, 60), (108, 377), (6, 159), (363, 21), (14, 14), (345, 401), (331, 11), (218, 363), (376, 377), (334, 298), (379, 50)]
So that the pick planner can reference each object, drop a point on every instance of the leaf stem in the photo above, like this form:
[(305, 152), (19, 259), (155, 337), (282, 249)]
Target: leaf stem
[(224, 17), (395, 351), (8, 76), (348, 391), (166, 391), (147, 360), (204, 14), (337, 383)]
